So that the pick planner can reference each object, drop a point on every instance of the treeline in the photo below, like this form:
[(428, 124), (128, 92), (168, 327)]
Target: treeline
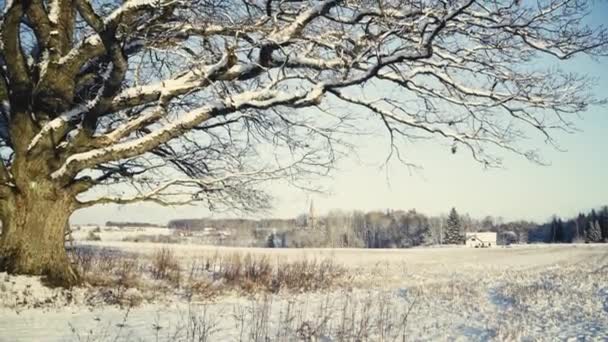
[(336, 229), (376, 229), (381, 229), (401, 229), (398, 229), (131, 224), (229, 223), (591, 227)]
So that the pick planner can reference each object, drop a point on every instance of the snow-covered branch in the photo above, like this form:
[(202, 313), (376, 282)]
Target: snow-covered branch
[(262, 99), (133, 87)]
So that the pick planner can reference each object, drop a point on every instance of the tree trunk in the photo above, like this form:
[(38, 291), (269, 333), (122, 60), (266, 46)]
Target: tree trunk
[(32, 242)]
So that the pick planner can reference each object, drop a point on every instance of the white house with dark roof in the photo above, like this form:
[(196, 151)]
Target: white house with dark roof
[(481, 239)]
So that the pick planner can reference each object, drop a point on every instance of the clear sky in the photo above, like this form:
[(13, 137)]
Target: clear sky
[(576, 180)]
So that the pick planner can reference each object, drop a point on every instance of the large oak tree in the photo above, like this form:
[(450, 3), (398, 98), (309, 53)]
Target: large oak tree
[(186, 101)]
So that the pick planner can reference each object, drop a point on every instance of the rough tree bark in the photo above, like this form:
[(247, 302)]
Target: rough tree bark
[(33, 234), (34, 214)]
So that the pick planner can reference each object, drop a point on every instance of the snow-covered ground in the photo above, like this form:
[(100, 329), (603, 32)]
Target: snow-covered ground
[(535, 292)]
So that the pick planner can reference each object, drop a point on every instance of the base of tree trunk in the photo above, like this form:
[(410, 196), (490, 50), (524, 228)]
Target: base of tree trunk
[(56, 268), (33, 238)]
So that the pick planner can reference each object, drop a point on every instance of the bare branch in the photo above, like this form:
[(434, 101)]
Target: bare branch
[(203, 89), (17, 71)]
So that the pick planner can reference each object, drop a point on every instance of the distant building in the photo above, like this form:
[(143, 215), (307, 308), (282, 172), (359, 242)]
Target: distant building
[(209, 231), (477, 240)]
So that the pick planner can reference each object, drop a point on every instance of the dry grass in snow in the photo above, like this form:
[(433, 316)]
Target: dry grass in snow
[(534, 293)]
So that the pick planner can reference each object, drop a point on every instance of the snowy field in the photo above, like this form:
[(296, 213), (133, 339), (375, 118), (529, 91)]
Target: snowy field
[(530, 293)]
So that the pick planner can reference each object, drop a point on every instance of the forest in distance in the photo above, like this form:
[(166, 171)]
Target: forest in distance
[(390, 229)]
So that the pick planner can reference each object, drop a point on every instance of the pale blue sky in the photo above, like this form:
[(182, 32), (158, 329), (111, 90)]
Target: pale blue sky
[(576, 180)]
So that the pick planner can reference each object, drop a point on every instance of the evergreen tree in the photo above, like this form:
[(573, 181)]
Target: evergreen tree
[(270, 242), (593, 216), (553, 229), (581, 223), (604, 223), (557, 230), (593, 232), (453, 231), (560, 231)]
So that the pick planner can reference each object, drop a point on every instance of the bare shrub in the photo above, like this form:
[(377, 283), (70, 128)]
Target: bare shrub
[(92, 263), (115, 275), (83, 259), (307, 275), (257, 273), (165, 266), (127, 273), (201, 325), (248, 273), (202, 289), (374, 317), (204, 278)]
